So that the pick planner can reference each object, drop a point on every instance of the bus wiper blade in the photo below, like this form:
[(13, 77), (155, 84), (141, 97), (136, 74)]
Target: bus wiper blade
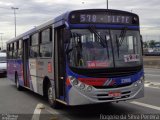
[(102, 41), (117, 44), (92, 29)]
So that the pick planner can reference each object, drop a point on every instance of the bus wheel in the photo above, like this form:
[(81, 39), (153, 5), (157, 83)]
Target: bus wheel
[(17, 83), (51, 99)]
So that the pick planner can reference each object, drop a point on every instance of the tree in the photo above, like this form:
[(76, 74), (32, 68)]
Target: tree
[(152, 44), (145, 44)]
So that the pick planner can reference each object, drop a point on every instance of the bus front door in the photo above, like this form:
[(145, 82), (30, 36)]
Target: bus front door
[(25, 62), (59, 65)]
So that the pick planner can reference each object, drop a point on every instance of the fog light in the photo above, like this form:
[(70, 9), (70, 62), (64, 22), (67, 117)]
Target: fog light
[(141, 80), (89, 88)]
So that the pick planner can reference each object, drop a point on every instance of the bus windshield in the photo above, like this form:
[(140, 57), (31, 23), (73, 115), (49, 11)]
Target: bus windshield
[(97, 48)]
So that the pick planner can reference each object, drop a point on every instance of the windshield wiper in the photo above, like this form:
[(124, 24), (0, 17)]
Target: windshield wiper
[(117, 44), (102, 41)]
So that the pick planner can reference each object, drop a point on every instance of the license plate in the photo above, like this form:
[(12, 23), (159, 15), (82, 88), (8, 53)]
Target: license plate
[(114, 93)]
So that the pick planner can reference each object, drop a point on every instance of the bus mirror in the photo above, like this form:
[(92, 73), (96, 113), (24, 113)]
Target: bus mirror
[(67, 35)]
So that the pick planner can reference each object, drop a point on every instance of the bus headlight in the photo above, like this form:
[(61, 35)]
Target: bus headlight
[(82, 86), (142, 78), (140, 81), (89, 88), (136, 84), (79, 85), (74, 81)]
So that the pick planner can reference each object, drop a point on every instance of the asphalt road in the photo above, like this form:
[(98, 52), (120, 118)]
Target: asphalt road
[(152, 75), (28, 105)]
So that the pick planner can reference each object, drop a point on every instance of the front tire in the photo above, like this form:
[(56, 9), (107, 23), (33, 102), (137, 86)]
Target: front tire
[(51, 97)]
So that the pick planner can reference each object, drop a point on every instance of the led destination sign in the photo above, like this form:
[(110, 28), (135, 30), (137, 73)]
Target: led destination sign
[(102, 18)]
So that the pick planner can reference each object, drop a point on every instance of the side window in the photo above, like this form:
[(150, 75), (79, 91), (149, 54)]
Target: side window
[(34, 46), (11, 50), (33, 51), (34, 39), (15, 50), (45, 35), (8, 51), (15, 45), (20, 44), (10, 46), (46, 43), (46, 50), (10, 54), (19, 51)]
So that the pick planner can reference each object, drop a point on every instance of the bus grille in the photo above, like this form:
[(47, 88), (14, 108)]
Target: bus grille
[(102, 97), (114, 86)]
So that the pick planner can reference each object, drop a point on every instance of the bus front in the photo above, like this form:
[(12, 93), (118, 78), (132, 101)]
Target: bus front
[(104, 57)]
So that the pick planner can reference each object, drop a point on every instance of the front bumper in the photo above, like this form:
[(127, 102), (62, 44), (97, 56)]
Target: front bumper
[(78, 97)]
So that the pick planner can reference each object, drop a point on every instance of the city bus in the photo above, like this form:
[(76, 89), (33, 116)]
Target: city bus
[(81, 57)]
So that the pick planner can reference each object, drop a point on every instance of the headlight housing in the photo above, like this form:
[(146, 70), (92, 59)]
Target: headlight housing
[(79, 85), (89, 88), (82, 86)]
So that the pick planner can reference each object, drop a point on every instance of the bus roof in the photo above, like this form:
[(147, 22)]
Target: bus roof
[(60, 18)]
